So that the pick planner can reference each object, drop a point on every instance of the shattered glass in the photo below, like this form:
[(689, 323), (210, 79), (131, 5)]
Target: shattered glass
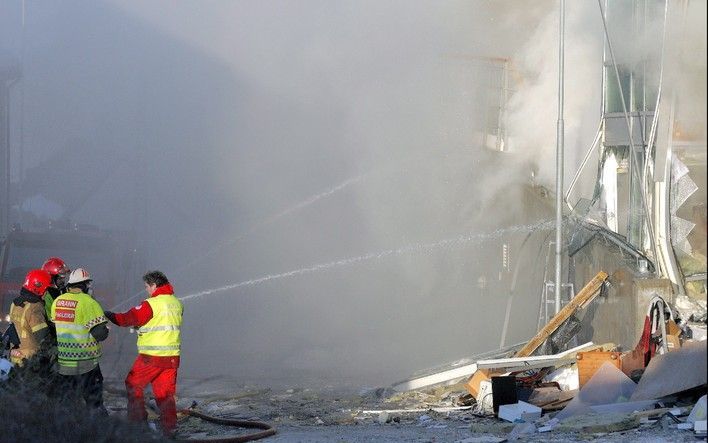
[(682, 188), (678, 169), (680, 229), (681, 191)]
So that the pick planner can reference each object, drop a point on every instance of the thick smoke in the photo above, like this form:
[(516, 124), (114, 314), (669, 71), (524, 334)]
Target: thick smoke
[(685, 67), (242, 140), (533, 108)]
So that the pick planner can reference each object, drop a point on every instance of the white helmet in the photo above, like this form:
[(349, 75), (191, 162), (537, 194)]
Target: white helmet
[(79, 275)]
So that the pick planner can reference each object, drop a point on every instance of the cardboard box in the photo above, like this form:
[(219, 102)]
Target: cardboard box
[(631, 361), (589, 362), (673, 336), (673, 343)]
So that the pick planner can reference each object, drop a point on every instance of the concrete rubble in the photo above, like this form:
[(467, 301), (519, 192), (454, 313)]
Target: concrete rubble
[(335, 413), (604, 391), (589, 391)]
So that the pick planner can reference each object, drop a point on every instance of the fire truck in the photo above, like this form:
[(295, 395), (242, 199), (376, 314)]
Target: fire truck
[(110, 257)]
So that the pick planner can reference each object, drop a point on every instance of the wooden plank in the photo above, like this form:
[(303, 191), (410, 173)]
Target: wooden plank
[(585, 296)]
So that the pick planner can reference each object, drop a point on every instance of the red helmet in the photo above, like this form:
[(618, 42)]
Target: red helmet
[(55, 266), (37, 281)]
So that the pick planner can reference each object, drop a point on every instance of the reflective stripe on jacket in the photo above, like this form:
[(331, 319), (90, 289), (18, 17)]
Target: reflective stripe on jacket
[(28, 319), (74, 314), (161, 335)]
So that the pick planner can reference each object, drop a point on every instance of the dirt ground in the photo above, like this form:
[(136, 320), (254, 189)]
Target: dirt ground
[(348, 414)]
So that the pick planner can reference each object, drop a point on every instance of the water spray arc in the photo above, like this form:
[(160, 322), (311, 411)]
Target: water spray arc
[(410, 249), (401, 165), (298, 206)]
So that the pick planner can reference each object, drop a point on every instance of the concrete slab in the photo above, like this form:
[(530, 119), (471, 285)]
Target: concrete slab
[(674, 372)]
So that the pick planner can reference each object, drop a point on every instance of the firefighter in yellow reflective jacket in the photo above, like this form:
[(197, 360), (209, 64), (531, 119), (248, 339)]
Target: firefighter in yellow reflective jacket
[(81, 326), (28, 317), (158, 319)]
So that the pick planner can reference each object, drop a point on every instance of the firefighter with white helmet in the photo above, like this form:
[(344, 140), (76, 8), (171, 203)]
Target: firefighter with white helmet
[(81, 326)]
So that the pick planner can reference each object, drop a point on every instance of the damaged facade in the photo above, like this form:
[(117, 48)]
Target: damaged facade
[(636, 332), (645, 223)]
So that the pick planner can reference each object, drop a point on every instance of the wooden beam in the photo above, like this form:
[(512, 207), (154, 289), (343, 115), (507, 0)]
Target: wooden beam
[(585, 296)]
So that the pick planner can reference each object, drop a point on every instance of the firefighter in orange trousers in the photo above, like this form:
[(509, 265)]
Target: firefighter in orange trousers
[(158, 319), (28, 317)]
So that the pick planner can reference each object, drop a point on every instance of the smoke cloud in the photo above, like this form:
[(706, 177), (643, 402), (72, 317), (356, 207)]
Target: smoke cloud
[(241, 140)]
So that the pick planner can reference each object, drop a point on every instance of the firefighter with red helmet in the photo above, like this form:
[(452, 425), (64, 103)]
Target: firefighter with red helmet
[(57, 268), (28, 317)]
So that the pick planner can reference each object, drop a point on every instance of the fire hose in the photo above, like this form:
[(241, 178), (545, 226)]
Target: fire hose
[(268, 430)]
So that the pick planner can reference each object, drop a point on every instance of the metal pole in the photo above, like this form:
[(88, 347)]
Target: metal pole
[(5, 148), (21, 156), (559, 159)]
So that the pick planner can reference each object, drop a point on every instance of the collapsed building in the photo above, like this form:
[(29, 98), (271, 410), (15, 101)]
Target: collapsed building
[(636, 245)]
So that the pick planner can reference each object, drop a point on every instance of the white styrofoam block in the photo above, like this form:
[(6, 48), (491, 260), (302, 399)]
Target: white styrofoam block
[(520, 411), (566, 377), (699, 426), (484, 397)]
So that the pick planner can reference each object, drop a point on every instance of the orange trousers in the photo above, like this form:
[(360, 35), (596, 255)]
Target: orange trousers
[(164, 384)]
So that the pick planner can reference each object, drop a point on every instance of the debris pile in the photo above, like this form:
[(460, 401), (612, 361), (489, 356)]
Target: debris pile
[(588, 388)]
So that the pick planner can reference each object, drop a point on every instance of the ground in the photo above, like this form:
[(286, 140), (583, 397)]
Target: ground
[(345, 414)]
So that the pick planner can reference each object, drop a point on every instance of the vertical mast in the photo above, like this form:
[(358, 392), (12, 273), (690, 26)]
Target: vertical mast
[(559, 158)]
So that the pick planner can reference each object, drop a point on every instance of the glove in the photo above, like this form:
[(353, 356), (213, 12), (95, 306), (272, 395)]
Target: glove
[(110, 316)]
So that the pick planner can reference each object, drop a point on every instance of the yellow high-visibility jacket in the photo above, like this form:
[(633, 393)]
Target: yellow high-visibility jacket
[(160, 336), (74, 314)]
